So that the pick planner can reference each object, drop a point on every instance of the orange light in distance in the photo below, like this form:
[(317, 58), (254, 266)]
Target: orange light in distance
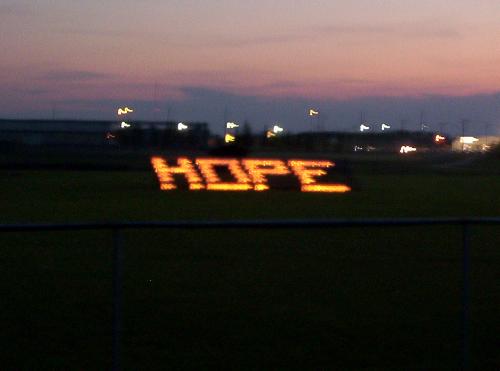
[(214, 183), (165, 173), (260, 168), (270, 134), (228, 138), (308, 170), (439, 138)]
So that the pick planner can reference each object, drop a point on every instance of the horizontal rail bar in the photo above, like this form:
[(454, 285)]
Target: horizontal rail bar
[(235, 224)]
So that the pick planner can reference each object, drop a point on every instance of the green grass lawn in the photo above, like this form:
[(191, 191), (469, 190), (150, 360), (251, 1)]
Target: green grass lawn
[(42, 196), (247, 299)]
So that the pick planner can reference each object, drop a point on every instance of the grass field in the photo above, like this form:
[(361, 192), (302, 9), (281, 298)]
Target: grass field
[(249, 299)]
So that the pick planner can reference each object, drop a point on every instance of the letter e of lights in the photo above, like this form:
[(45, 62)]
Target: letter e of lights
[(258, 169), (307, 171)]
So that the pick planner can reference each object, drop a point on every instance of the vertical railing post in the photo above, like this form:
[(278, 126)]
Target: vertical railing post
[(465, 296), (117, 299)]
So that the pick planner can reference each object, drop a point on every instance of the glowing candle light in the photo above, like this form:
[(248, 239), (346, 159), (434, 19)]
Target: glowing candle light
[(166, 173), (308, 170), (214, 183), (258, 169)]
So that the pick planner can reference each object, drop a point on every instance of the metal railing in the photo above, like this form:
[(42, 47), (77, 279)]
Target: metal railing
[(118, 243)]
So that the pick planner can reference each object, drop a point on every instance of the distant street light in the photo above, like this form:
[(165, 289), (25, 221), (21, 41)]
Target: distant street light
[(314, 117), (181, 126), (385, 126), (232, 125), (277, 129), (124, 111), (228, 138), (407, 149), (363, 128), (439, 138), (124, 125)]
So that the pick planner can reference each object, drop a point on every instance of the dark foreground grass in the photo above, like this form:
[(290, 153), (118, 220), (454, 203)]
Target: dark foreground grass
[(247, 299), (43, 196)]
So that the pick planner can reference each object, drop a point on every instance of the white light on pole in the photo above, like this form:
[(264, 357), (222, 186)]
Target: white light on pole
[(277, 129), (407, 149), (385, 127), (232, 125), (124, 111), (439, 138), (363, 128), (181, 126)]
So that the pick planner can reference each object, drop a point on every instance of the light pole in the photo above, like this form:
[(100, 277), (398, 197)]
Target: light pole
[(230, 131), (464, 122), (122, 113), (225, 121), (442, 125), (403, 124), (486, 132), (363, 128), (312, 114), (423, 125)]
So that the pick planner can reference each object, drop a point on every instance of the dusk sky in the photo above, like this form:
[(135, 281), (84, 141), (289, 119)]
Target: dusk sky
[(263, 60)]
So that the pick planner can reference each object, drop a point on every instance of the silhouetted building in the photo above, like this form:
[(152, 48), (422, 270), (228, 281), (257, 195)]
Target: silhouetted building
[(71, 133)]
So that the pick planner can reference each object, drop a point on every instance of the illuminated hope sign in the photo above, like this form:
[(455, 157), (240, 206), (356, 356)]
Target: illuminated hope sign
[(250, 174)]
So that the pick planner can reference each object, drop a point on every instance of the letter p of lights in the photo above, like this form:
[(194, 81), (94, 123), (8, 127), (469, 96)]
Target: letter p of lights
[(307, 171), (258, 169), (166, 173)]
